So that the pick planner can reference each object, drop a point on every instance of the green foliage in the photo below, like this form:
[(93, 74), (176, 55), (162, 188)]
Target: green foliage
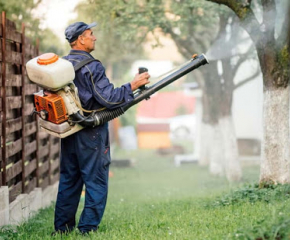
[(40, 223), (19, 11), (274, 227), (7, 233), (253, 193), (22, 12), (282, 69), (111, 47), (49, 42), (191, 24)]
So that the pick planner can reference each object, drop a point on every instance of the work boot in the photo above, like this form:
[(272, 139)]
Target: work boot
[(60, 232), (84, 233)]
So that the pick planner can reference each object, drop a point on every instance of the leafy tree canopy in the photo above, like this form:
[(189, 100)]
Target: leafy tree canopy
[(112, 47), (191, 24), (23, 12)]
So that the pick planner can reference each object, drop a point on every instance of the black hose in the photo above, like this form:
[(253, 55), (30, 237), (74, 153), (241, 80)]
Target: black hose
[(107, 115), (90, 121), (101, 117), (97, 118)]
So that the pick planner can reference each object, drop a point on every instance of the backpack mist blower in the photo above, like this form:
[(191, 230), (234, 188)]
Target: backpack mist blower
[(58, 104)]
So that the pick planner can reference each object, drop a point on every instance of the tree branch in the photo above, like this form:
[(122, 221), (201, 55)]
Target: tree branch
[(246, 15), (242, 58), (257, 73), (287, 27), (269, 17), (184, 47)]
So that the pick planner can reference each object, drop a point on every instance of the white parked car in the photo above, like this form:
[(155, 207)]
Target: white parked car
[(183, 126)]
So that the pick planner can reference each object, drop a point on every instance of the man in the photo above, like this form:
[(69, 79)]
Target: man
[(85, 155)]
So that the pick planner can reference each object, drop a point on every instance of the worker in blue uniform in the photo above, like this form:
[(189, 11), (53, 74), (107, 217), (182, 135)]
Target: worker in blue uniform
[(85, 155)]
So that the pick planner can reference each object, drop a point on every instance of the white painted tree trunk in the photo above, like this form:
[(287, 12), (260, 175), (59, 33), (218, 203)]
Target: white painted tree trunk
[(204, 149), (275, 165), (232, 164), (216, 151), (197, 137)]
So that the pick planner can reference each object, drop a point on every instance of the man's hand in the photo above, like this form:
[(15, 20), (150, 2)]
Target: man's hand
[(140, 80)]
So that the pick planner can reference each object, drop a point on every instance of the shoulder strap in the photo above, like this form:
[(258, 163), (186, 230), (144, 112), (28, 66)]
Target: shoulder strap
[(83, 63), (77, 67)]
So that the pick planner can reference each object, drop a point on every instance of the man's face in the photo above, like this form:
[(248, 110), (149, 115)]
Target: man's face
[(88, 40)]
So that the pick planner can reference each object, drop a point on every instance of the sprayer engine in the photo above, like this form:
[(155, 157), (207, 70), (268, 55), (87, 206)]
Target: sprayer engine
[(50, 106), (58, 104)]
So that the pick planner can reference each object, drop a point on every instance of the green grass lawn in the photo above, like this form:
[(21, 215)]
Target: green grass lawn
[(155, 200)]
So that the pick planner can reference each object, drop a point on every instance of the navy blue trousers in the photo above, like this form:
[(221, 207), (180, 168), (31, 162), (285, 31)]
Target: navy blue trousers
[(85, 160)]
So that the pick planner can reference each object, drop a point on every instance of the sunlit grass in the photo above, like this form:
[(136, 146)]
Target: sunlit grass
[(153, 199)]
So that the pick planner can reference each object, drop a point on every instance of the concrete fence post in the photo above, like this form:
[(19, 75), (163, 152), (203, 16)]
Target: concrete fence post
[(4, 206)]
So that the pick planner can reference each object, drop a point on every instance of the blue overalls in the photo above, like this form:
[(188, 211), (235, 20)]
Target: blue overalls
[(85, 155)]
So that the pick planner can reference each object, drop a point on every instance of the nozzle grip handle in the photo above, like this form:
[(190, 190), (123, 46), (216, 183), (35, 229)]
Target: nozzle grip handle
[(142, 70)]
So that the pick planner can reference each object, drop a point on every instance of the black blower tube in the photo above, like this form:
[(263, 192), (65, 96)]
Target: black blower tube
[(106, 115)]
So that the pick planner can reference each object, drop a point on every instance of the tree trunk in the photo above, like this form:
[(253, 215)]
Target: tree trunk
[(275, 158), (205, 145), (274, 57), (216, 154), (232, 164), (212, 140), (275, 165)]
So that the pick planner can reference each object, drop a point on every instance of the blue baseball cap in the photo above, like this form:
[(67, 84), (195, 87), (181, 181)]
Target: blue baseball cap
[(74, 30)]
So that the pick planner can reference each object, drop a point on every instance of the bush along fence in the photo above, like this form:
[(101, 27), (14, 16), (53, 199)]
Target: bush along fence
[(29, 157)]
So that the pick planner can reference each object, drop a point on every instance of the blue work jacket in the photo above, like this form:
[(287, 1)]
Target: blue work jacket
[(95, 89)]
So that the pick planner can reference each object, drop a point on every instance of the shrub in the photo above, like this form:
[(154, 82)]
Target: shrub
[(275, 228), (252, 193)]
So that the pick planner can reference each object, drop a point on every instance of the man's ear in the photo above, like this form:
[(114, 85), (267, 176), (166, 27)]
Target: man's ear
[(81, 40)]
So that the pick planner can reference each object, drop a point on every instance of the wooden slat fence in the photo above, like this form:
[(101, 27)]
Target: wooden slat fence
[(29, 157)]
